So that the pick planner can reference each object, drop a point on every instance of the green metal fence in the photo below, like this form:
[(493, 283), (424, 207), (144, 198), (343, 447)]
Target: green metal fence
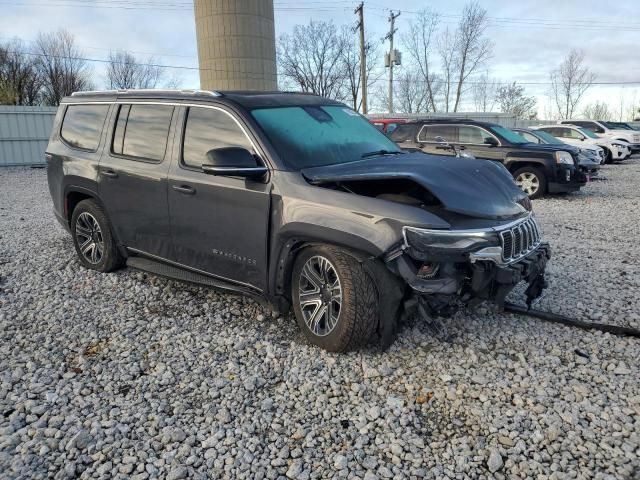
[(24, 133)]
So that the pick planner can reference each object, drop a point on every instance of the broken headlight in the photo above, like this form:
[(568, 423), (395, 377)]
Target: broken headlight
[(448, 241)]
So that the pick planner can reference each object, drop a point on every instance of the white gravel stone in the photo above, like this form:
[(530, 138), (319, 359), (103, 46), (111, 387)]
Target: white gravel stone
[(140, 373)]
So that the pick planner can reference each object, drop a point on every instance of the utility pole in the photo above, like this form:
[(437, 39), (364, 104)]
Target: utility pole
[(392, 31), (363, 58)]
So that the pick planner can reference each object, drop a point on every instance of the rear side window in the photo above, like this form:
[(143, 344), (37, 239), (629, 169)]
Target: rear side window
[(142, 130), (209, 128), (82, 125)]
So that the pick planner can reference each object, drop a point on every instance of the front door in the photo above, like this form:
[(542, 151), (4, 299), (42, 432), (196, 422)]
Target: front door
[(133, 176), (472, 138), (219, 224)]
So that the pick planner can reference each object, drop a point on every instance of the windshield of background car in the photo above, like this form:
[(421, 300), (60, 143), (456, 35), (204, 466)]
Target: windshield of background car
[(548, 138), (320, 135), (588, 133), (509, 135)]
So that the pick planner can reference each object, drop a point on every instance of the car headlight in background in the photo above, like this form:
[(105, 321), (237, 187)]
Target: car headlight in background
[(564, 158), (447, 241), (619, 145)]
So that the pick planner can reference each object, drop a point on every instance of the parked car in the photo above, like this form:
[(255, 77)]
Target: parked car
[(537, 169), (387, 125), (604, 129), (614, 150), (590, 157), (291, 198)]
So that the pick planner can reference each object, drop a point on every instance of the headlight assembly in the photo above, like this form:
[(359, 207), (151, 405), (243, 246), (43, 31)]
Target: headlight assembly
[(564, 158), (446, 241)]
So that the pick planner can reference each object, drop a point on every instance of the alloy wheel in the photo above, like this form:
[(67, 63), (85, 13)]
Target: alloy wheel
[(320, 295), (89, 237), (528, 182)]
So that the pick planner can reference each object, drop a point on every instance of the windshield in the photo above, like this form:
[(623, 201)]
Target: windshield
[(616, 125), (321, 135), (548, 138), (509, 135), (588, 133)]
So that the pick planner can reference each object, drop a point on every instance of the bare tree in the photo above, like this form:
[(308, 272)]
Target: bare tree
[(61, 66), (472, 48), (447, 50), (570, 82), (483, 92), (124, 71), (410, 93), (512, 99), (420, 43), (351, 67), (20, 81), (597, 111), (311, 58)]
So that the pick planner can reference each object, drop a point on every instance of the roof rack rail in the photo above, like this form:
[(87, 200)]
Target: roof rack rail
[(188, 91)]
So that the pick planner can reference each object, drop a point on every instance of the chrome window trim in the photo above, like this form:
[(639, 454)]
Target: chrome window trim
[(455, 125)]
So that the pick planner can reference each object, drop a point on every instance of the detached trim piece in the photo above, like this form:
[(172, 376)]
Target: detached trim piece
[(556, 318)]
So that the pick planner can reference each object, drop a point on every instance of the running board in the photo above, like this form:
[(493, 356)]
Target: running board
[(180, 274)]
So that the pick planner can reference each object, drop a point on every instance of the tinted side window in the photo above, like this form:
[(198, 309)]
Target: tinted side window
[(529, 137), (82, 125), (209, 128), (469, 134), (142, 131), (430, 132), (404, 133)]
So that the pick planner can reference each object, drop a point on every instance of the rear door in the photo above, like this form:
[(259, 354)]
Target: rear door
[(219, 224), (133, 176)]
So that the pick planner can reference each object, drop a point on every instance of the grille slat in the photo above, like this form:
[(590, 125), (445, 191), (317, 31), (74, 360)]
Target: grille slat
[(520, 239)]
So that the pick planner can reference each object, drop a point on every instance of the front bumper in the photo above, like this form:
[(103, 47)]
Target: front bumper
[(482, 277), (568, 179)]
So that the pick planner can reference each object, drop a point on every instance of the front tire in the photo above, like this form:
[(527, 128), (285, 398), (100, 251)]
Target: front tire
[(93, 239), (334, 299), (532, 181)]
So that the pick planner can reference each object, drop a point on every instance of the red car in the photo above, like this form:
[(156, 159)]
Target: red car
[(387, 125)]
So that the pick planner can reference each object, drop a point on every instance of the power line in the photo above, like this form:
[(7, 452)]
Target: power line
[(255, 75)]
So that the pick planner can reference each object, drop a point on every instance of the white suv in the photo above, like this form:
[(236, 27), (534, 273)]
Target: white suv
[(574, 135), (609, 130)]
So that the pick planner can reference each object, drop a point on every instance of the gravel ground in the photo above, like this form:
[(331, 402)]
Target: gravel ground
[(128, 375)]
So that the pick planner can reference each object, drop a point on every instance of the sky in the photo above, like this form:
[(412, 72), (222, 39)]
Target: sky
[(530, 37)]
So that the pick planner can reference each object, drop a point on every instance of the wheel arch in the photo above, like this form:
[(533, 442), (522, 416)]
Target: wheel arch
[(75, 194)]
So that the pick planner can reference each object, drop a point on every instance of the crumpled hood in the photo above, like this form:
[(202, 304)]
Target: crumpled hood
[(477, 188)]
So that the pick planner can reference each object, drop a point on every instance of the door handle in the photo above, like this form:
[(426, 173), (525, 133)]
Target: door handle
[(186, 189), (110, 173)]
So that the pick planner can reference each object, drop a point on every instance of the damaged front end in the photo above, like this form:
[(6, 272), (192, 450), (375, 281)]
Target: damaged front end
[(444, 267)]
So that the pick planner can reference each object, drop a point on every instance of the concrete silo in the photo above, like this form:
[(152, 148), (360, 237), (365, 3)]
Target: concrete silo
[(236, 44)]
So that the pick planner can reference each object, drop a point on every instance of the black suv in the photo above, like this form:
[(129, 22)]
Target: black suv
[(537, 169), (291, 198)]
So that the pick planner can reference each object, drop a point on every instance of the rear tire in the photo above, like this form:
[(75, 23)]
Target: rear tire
[(93, 238), (334, 299), (532, 181)]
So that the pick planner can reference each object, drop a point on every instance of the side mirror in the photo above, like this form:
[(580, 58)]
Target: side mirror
[(491, 141), (233, 162)]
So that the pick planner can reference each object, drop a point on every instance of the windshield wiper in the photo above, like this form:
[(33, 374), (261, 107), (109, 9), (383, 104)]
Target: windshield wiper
[(379, 152)]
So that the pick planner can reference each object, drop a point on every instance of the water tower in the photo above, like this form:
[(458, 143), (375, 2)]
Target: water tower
[(236, 44)]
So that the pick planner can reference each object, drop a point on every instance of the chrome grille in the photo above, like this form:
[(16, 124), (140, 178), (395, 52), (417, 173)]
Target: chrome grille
[(520, 240)]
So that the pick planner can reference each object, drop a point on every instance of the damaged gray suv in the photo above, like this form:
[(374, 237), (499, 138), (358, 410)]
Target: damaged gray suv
[(291, 198)]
